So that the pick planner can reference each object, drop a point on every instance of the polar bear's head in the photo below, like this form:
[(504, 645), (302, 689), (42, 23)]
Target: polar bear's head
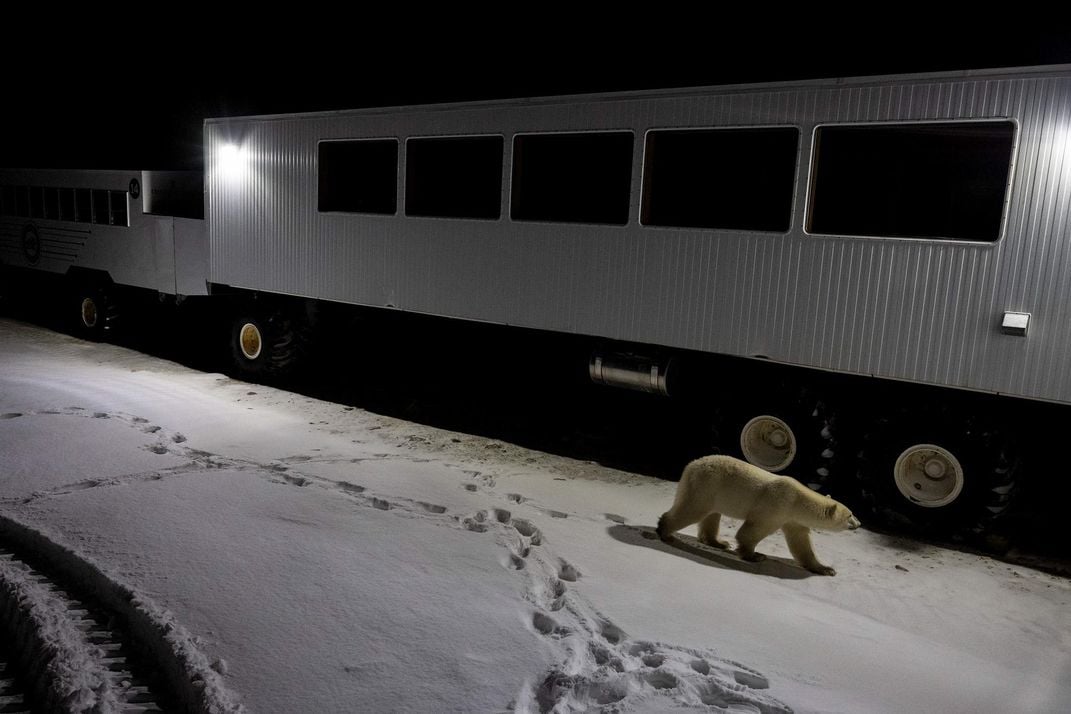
[(838, 517)]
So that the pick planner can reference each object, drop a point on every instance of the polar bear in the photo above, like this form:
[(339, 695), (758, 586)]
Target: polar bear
[(713, 486)]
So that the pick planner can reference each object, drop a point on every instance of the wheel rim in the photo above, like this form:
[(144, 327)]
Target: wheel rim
[(928, 475), (768, 442), (89, 312), (249, 340)]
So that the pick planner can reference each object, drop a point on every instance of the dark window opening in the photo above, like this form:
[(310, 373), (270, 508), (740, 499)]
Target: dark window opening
[(359, 176), (22, 201), (118, 206), (37, 202), (66, 204), (52, 203), (7, 197), (456, 177), (83, 205), (101, 211), (572, 178), (940, 180), (739, 179)]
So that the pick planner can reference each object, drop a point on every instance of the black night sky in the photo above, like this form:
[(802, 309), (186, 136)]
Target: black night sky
[(81, 103)]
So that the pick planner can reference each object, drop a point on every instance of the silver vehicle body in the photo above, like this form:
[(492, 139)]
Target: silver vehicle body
[(164, 253), (921, 310)]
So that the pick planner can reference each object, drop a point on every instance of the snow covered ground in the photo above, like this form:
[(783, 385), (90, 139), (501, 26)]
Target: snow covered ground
[(330, 559)]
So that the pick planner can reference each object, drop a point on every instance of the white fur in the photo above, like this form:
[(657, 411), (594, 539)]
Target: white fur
[(715, 485)]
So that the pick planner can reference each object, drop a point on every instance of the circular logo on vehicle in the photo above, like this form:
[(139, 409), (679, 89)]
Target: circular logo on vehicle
[(31, 244), (135, 188)]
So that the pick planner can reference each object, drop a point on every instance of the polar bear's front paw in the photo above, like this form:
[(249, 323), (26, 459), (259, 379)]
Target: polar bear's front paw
[(714, 542)]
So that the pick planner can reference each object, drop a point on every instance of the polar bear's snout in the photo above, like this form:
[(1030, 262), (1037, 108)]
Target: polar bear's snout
[(853, 523)]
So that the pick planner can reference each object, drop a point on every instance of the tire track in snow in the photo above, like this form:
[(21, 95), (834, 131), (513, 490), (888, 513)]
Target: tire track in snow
[(69, 608), (13, 695), (87, 637)]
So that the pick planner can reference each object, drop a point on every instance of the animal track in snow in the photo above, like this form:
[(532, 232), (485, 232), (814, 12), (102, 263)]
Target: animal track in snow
[(751, 679), (526, 529), (381, 503), (614, 517), (11, 415), (512, 561), (567, 571)]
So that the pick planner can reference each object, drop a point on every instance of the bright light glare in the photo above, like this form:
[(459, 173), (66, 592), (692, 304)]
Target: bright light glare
[(232, 161)]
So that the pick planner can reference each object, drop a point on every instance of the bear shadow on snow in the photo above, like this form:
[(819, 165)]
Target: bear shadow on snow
[(688, 547)]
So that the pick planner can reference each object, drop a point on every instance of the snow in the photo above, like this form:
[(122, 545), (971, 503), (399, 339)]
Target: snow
[(329, 559)]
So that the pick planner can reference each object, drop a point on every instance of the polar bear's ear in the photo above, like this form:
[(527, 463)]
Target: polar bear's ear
[(831, 511)]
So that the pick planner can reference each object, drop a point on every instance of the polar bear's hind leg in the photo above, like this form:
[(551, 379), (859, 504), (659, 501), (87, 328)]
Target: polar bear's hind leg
[(749, 536), (680, 516), (708, 531)]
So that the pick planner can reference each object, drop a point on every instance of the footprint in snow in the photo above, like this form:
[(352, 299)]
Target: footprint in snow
[(381, 504), (614, 517), (10, 415), (512, 497), (470, 487), (471, 523), (547, 625), (751, 679), (178, 438), (554, 514), (526, 529), (512, 561), (431, 507), (101, 415), (158, 449), (350, 487), (296, 480), (151, 429), (611, 632), (568, 572)]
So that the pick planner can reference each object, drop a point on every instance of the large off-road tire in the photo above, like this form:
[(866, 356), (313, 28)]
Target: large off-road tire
[(95, 311), (937, 472), (788, 431), (265, 344)]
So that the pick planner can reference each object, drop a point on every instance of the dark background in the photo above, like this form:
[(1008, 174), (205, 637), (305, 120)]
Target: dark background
[(101, 94)]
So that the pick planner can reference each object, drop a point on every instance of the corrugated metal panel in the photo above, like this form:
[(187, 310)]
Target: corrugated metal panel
[(918, 310)]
